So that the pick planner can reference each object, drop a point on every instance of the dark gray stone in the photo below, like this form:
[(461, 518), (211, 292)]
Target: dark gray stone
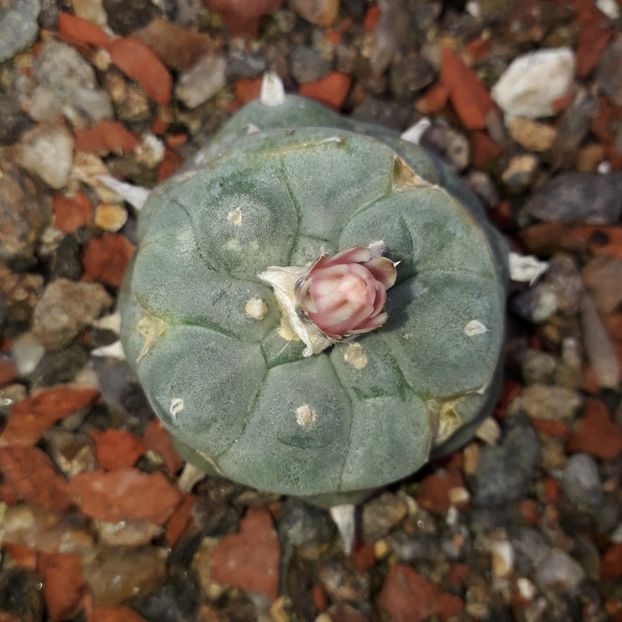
[(505, 471), (12, 120), (20, 594), (389, 114), (308, 65), (578, 198), (381, 515), (608, 74), (410, 74), (581, 482), (126, 17), (59, 367), (412, 547), (530, 548), (302, 524)]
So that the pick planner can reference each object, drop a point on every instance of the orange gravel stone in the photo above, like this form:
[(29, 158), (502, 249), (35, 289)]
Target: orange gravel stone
[(138, 62), (330, 90), (247, 89), (116, 449), (104, 138), (169, 165), (75, 28), (156, 438), (71, 213), (468, 95), (433, 100), (178, 522), (433, 491), (241, 17), (596, 433), (30, 475), (249, 559), (23, 555), (63, 584), (105, 259), (125, 494), (34, 415), (409, 597)]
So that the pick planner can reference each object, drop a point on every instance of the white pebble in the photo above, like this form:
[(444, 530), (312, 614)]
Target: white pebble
[(533, 82)]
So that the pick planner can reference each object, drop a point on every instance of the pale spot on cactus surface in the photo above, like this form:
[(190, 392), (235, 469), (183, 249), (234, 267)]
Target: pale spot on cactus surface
[(356, 356), (177, 405), (235, 216), (447, 417), (256, 308), (405, 178), (474, 327), (305, 416), (150, 328)]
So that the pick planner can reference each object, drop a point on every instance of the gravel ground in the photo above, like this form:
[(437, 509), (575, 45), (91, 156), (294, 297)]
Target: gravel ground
[(100, 519)]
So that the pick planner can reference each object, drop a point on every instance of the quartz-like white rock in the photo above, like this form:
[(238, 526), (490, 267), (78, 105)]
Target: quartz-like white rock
[(533, 82)]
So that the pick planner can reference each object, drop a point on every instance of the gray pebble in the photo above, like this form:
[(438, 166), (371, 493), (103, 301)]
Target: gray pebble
[(505, 471), (552, 403), (449, 144), (559, 571), (18, 26), (25, 211), (381, 515), (410, 74), (65, 309), (581, 482), (608, 74), (308, 65), (578, 198), (530, 548), (411, 547), (72, 80), (389, 114), (12, 120), (303, 524), (59, 367)]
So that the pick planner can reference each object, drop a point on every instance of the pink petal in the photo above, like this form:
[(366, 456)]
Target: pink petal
[(383, 270), (371, 324), (356, 317), (358, 254), (327, 304), (381, 298), (328, 320)]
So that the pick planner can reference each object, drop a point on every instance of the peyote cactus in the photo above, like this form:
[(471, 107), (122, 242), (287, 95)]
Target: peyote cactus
[(264, 363)]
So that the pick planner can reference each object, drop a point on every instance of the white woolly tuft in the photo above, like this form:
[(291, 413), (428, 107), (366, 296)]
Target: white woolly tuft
[(344, 518), (136, 196), (272, 90)]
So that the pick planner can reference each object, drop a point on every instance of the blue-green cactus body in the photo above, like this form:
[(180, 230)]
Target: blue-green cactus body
[(205, 334)]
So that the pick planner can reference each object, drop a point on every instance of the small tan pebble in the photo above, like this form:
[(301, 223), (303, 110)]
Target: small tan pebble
[(531, 135), (458, 495), (589, 158), (381, 549), (502, 558), (471, 458), (489, 431), (110, 217)]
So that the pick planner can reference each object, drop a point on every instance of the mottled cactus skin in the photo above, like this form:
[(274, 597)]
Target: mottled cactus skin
[(240, 400)]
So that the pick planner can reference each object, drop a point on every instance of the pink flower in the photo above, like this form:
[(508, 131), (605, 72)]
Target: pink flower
[(345, 294)]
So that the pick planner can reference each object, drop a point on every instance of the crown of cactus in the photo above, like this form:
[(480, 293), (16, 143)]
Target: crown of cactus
[(316, 306)]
